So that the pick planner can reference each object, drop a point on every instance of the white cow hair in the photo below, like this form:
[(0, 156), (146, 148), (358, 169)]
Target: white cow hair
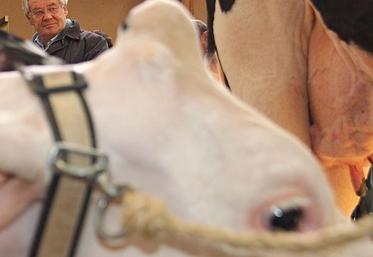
[(171, 131)]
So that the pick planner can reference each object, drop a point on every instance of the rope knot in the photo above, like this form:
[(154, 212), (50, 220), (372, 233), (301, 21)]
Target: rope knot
[(144, 215)]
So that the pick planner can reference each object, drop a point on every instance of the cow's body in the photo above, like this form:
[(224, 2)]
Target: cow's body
[(341, 97), (284, 59), (169, 130), (255, 46)]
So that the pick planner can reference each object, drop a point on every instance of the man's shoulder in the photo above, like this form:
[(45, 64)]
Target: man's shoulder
[(90, 35), (74, 31), (88, 42)]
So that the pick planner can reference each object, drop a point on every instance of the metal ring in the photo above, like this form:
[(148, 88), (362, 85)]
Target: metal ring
[(103, 204), (82, 172)]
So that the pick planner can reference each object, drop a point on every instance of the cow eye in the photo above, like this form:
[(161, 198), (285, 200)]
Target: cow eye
[(282, 219), (287, 213)]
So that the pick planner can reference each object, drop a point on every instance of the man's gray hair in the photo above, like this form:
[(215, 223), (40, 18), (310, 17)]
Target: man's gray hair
[(26, 7)]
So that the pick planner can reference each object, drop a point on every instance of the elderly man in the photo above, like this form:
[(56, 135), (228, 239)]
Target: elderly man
[(60, 36)]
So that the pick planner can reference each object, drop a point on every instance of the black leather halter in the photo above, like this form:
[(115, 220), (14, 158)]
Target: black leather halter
[(18, 52), (57, 235)]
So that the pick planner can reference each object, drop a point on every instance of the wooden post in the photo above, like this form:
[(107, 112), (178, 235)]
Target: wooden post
[(4, 23), (197, 8), (190, 5)]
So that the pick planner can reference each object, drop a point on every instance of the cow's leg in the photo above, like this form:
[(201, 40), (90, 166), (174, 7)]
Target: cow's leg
[(262, 46)]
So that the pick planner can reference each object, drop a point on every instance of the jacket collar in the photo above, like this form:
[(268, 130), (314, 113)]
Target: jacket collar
[(71, 30)]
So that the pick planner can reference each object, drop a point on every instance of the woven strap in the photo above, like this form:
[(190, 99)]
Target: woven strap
[(60, 222)]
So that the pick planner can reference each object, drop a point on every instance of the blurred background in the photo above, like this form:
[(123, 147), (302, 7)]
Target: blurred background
[(104, 15)]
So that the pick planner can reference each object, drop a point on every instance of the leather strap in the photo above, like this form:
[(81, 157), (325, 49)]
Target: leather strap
[(63, 213)]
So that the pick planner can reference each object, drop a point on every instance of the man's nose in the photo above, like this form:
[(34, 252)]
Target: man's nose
[(47, 16)]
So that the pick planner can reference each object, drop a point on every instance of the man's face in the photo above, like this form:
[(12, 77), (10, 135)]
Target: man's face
[(48, 17)]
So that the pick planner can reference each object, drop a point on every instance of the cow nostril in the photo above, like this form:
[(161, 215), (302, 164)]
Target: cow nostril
[(285, 219)]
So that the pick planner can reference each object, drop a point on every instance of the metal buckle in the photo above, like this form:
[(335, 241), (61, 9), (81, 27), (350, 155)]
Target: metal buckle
[(57, 161), (97, 173), (102, 207)]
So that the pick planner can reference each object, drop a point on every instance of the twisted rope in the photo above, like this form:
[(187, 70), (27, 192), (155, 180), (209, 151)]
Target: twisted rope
[(148, 218)]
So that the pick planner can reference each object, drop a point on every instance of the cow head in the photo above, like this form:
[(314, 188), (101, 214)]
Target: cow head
[(170, 131)]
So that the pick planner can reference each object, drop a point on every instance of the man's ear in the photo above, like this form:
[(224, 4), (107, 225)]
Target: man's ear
[(66, 11), (30, 20)]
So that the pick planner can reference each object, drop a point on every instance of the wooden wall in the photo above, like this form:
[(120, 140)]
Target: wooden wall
[(197, 8), (104, 15)]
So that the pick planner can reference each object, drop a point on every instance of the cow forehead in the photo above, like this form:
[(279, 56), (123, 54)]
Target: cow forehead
[(169, 23), (166, 12)]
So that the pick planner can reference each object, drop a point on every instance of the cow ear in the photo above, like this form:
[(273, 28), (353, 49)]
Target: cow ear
[(226, 5), (204, 42)]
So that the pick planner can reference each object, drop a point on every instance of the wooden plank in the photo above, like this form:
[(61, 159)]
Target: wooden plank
[(197, 8), (189, 4), (4, 23)]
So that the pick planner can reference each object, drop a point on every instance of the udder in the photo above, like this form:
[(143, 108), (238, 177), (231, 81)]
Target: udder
[(341, 100)]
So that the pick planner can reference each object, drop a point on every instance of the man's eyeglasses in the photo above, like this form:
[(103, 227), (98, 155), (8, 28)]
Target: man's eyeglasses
[(40, 13)]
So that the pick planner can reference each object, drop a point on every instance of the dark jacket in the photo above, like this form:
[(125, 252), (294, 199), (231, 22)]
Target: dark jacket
[(75, 45)]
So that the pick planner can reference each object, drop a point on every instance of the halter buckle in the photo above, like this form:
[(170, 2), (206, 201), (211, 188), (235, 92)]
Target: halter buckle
[(97, 174), (61, 151)]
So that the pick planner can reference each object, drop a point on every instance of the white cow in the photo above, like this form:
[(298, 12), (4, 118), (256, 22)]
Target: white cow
[(169, 131)]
